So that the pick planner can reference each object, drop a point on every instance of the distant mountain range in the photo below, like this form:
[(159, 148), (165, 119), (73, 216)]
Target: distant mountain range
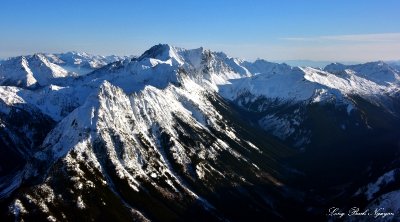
[(178, 135), (312, 63)]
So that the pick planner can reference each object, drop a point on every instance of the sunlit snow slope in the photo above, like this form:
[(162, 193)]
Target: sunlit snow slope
[(177, 134)]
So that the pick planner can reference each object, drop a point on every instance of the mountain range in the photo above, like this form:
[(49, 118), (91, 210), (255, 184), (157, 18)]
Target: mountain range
[(177, 134)]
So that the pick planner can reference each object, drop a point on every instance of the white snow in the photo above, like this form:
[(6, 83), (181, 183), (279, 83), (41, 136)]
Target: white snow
[(271, 80), (387, 206), (345, 84), (82, 62), (79, 203), (17, 208), (371, 189), (131, 102), (288, 85), (27, 71)]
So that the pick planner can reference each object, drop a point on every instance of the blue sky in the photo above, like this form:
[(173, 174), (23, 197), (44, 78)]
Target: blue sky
[(276, 30)]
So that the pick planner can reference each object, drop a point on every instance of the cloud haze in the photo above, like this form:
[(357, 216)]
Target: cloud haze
[(382, 37)]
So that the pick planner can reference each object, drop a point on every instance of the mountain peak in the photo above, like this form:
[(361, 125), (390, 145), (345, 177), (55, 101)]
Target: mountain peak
[(261, 66), (16, 72), (335, 67), (379, 63), (155, 51), (162, 52), (76, 53), (39, 58)]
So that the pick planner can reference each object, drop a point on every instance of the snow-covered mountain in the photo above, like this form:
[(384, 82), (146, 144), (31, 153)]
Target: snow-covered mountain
[(283, 82), (395, 64), (379, 72), (81, 62), (274, 84), (30, 71), (44, 69), (177, 134)]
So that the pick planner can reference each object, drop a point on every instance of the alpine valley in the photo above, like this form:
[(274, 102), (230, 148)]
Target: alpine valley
[(195, 135)]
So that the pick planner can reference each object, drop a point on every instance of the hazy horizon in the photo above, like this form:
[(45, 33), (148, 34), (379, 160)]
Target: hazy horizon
[(292, 62)]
